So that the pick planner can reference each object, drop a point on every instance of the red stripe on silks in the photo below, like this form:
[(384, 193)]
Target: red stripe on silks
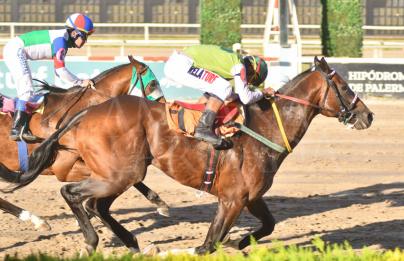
[(191, 106), (101, 58), (1, 57)]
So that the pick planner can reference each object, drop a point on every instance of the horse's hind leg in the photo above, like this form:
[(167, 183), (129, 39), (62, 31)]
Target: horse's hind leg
[(74, 194), (101, 210), (24, 215), (259, 209), (153, 197)]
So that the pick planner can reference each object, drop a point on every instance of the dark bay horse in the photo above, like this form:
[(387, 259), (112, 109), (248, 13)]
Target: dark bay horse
[(118, 149), (62, 104)]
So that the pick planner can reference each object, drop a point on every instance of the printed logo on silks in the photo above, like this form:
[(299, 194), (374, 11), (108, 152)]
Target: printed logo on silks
[(202, 74), (61, 53), (59, 58)]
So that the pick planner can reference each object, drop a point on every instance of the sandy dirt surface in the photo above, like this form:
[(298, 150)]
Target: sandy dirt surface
[(338, 184)]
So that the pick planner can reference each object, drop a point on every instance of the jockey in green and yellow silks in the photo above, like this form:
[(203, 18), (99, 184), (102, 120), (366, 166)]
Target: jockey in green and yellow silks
[(222, 74)]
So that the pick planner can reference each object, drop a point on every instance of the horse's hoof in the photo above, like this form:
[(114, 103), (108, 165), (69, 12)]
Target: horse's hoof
[(201, 250), (165, 211), (44, 226), (151, 250), (89, 249)]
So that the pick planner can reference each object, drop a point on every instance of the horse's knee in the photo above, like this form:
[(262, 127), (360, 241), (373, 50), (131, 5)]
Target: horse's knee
[(65, 191)]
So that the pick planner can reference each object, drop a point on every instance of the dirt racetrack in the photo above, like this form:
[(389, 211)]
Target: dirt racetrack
[(338, 184)]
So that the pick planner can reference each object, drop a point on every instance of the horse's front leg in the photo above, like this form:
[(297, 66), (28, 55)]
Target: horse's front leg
[(153, 197), (227, 213), (260, 210), (24, 215)]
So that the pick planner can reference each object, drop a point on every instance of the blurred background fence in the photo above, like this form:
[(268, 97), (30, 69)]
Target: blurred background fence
[(376, 13)]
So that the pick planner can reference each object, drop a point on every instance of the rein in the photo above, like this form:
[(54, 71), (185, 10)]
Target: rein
[(345, 113), (139, 78), (78, 94)]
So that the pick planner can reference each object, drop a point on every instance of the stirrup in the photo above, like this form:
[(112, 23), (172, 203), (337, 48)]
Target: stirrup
[(212, 139)]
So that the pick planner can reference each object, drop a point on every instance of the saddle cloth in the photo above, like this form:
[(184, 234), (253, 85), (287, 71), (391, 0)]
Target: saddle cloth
[(183, 117), (35, 104)]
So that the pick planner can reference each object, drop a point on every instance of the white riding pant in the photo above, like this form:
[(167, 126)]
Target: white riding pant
[(16, 60), (179, 68)]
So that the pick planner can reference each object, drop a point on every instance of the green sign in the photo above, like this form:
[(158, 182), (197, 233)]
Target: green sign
[(44, 70)]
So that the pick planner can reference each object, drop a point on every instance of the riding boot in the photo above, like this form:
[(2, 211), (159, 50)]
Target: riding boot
[(204, 129), (27, 134), (20, 126)]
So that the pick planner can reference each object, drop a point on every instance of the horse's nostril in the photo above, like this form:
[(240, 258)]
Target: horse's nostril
[(370, 117)]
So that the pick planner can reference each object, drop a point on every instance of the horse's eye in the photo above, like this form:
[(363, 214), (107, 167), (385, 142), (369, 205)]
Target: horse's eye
[(344, 87)]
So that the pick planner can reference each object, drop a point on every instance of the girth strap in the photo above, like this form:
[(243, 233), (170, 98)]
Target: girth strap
[(210, 172), (23, 155)]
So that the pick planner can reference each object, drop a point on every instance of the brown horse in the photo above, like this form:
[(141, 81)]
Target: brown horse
[(118, 149), (61, 104)]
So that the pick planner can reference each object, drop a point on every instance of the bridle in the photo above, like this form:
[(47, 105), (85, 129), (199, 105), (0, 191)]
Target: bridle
[(344, 114), (139, 78)]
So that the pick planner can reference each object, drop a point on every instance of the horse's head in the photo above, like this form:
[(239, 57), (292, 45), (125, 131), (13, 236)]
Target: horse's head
[(338, 100), (146, 80)]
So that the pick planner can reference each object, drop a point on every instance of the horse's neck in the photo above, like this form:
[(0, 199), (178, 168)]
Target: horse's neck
[(295, 117), (108, 85), (115, 82)]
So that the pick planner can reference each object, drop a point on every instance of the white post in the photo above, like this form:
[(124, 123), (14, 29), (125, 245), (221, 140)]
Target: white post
[(12, 31), (146, 32), (292, 7), (88, 50), (268, 23), (122, 49)]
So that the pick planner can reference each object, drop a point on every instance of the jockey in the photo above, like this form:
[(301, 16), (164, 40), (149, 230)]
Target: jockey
[(38, 45), (223, 75)]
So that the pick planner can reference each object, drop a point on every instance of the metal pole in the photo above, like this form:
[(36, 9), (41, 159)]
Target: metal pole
[(283, 22)]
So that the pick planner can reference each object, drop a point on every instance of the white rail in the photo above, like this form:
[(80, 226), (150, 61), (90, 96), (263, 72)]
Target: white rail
[(146, 41)]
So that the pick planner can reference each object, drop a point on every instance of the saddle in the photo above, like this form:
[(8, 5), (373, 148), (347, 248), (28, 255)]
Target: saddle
[(35, 105), (183, 117)]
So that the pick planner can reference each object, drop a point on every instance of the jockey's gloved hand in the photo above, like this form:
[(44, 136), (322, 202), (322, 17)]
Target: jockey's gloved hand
[(88, 83), (269, 92)]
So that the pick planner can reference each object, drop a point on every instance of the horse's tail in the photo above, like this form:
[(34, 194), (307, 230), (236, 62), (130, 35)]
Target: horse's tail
[(40, 159)]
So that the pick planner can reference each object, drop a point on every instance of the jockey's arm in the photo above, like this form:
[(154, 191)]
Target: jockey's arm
[(65, 75), (246, 95)]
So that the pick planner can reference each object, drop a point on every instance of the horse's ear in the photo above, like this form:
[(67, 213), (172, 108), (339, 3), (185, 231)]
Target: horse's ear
[(324, 65), (317, 62), (138, 65)]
